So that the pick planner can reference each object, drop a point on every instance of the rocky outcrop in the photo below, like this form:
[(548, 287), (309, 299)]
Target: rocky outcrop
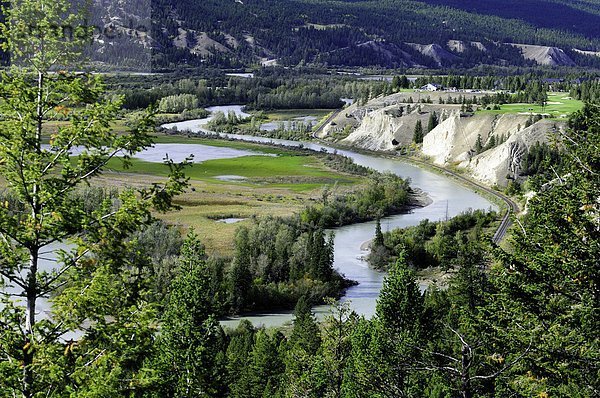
[(387, 128), (498, 164), (460, 46), (436, 52), (542, 55), (490, 146), (455, 139), (455, 142), (199, 43)]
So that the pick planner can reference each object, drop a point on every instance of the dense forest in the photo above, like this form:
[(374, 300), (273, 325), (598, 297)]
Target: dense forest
[(429, 244), (368, 33), (280, 88), (521, 322), (131, 306)]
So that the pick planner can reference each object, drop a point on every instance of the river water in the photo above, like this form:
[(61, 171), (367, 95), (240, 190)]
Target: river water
[(449, 198)]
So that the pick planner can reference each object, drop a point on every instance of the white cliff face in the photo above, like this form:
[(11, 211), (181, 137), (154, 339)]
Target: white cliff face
[(386, 128), (455, 139), (543, 55), (377, 132), (440, 143), (387, 123), (497, 164)]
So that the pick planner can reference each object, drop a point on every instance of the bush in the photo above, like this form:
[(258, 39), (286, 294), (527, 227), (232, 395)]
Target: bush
[(178, 103)]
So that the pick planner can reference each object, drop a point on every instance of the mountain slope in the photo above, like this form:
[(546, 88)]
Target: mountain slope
[(363, 32)]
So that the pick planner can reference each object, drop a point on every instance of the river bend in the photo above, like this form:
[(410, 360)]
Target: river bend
[(449, 198)]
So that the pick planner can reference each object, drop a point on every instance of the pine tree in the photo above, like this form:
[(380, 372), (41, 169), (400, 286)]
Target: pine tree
[(400, 302), (418, 134), (191, 342), (336, 349), (301, 352), (478, 145), (549, 281), (262, 375), (378, 241), (241, 341), (240, 276), (433, 121), (404, 82), (100, 276)]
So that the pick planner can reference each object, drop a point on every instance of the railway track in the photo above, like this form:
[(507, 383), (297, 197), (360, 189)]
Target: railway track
[(511, 206), (316, 133)]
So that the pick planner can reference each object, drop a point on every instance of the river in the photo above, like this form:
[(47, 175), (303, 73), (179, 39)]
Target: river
[(449, 198)]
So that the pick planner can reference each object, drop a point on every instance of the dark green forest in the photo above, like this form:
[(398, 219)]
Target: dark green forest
[(131, 306), (374, 33)]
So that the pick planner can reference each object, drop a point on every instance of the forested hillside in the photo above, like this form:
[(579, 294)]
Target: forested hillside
[(231, 33)]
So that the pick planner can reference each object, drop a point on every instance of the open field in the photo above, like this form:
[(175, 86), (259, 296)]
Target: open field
[(51, 127), (205, 203), (274, 185), (280, 115), (559, 106), (295, 172), (278, 185)]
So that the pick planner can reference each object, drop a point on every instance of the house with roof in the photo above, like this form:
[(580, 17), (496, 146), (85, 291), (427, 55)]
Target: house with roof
[(432, 87)]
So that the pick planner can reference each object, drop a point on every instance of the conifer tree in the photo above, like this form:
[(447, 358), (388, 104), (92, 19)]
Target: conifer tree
[(549, 283), (433, 121), (97, 277), (378, 241), (418, 133), (262, 375), (400, 301), (240, 276), (301, 352), (191, 341)]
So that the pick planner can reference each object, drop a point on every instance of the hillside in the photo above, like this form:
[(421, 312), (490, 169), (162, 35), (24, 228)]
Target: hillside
[(490, 146), (385, 33)]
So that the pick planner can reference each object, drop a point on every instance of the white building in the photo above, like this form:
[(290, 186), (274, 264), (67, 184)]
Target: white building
[(432, 87)]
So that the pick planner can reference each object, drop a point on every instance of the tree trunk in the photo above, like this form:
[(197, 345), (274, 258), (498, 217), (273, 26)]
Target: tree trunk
[(32, 291), (465, 381), (29, 342)]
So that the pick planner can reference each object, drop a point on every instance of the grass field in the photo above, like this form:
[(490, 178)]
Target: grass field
[(291, 114), (276, 185), (559, 106), (295, 172)]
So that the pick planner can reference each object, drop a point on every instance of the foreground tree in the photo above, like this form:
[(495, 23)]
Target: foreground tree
[(550, 281), (190, 348), (41, 208), (384, 349)]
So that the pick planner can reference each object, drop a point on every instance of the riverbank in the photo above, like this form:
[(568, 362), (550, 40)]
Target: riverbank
[(510, 207), (498, 198), (448, 198)]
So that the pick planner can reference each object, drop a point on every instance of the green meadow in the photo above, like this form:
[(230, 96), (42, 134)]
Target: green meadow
[(296, 172), (559, 106), (277, 185)]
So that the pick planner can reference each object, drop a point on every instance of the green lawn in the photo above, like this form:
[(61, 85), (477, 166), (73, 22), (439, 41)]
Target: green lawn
[(291, 114), (294, 172), (559, 106)]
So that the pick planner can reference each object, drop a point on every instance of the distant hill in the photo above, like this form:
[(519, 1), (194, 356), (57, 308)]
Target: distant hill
[(386, 33)]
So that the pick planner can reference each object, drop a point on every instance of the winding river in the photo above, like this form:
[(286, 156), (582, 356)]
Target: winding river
[(449, 198)]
